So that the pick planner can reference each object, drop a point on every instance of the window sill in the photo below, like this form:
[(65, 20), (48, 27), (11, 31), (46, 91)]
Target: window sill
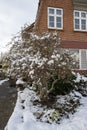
[(76, 30), (55, 28)]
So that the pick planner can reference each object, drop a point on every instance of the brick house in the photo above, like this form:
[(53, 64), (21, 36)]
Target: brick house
[(69, 18)]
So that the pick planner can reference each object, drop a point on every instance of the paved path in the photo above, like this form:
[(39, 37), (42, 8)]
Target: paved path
[(7, 102)]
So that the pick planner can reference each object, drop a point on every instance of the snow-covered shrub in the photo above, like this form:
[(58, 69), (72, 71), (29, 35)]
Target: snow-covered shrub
[(81, 84), (42, 63)]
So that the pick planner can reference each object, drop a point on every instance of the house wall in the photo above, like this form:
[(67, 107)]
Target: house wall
[(68, 33), (69, 37)]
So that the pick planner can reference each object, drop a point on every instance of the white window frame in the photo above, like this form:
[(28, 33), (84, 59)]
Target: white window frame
[(80, 19), (55, 16), (80, 59)]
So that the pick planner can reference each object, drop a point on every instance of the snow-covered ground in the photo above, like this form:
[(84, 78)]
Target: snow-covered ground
[(2, 81), (23, 118)]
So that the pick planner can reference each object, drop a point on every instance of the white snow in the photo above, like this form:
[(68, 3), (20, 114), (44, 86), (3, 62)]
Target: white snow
[(2, 81), (50, 62), (80, 77), (23, 118), (19, 81)]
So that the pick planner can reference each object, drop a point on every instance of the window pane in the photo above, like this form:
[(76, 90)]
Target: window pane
[(77, 24), (58, 22), (76, 14), (51, 11), (83, 24), (58, 12), (76, 21), (83, 15), (51, 21), (51, 18)]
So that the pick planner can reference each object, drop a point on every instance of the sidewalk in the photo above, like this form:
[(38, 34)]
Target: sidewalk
[(7, 102)]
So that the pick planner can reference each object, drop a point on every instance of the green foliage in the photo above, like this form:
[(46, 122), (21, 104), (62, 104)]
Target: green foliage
[(54, 115), (62, 86)]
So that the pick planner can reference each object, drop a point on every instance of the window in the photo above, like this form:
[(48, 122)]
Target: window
[(55, 18), (80, 58), (80, 20), (83, 59)]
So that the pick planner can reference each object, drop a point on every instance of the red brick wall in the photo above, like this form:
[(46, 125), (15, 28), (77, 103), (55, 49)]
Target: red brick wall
[(68, 32)]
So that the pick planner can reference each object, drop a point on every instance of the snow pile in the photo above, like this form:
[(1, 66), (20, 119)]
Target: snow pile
[(2, 81), (80, 77), (24, 119), (20, 81)]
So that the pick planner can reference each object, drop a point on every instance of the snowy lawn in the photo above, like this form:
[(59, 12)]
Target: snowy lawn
[(23, 118)]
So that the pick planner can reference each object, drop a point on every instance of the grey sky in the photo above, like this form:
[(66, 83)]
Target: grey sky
[(13, 15)]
